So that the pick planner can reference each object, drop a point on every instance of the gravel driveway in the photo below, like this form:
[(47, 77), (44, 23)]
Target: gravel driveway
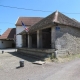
[(9, 69)]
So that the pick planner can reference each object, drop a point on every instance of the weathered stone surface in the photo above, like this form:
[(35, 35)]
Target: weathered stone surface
[(37, 53), (69, 40)]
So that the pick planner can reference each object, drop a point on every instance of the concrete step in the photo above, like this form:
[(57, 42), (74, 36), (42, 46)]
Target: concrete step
[(36, 53)]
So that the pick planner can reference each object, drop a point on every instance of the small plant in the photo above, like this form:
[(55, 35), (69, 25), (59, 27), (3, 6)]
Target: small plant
[(52, 56)]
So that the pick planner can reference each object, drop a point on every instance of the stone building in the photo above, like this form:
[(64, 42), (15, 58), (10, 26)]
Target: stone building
[(54, 32)]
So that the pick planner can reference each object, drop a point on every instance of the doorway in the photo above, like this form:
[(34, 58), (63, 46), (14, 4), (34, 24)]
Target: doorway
[(46, 38)]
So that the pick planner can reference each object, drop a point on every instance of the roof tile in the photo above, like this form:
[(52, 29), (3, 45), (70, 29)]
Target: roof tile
[(56, 17), (28, 21), (8, 34)]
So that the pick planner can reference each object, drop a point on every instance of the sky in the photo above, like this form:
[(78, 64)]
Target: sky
[(9, 16)]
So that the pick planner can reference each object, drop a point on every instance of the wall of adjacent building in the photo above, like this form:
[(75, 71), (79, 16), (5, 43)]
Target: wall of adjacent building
[(19, 40), (5, 44), (19, 37), (68, 40)]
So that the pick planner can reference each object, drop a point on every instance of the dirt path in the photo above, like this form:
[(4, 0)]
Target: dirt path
[(9, 63), (71, 71)]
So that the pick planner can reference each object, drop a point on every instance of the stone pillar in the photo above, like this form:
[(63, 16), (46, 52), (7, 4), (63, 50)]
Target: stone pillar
[(29, 41), (21, 42), (39, 38), (53, 34)]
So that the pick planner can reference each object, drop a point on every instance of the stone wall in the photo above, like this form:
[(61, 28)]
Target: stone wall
[(68, 40)]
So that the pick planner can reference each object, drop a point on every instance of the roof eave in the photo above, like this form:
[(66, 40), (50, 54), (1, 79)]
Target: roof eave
[(66, 25), (23, 32)]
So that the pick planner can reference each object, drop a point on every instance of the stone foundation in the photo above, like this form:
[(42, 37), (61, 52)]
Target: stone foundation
[(36, 53)]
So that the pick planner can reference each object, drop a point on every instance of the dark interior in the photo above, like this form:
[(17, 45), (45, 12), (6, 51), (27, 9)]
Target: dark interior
[(46, 38)]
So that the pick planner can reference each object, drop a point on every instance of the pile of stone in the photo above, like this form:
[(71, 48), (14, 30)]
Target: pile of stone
[(69, 43)]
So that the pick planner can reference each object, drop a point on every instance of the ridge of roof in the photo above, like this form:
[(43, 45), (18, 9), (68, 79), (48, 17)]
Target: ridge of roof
[(29, 17), (55, 17)]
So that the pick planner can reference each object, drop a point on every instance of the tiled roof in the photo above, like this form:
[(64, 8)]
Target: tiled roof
[(55, 17), (8, 34), (62, 19), (28, 21)]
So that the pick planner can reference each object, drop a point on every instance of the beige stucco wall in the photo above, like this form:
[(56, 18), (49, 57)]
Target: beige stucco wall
[(6, 44), (19, 37), (68, 40)]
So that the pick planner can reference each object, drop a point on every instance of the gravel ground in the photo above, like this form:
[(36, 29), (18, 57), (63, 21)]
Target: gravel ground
[(10, 70)]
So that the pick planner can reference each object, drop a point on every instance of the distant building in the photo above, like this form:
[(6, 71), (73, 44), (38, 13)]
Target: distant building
[(7, 38)]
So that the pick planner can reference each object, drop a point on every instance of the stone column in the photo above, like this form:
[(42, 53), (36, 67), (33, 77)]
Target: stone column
[(39, 38), (29, 41), (53, 34), (21, 42)]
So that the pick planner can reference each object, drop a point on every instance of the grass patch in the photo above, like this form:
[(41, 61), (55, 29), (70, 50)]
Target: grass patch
[(68, 58), (63, 59)]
